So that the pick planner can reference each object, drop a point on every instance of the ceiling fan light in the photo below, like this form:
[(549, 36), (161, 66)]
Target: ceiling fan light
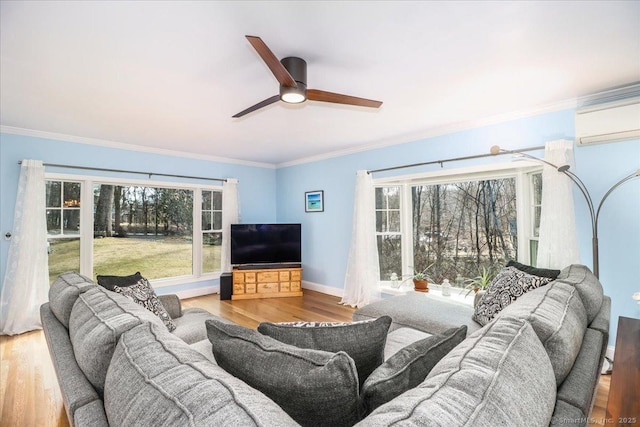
[(293, 95), (293, 98)]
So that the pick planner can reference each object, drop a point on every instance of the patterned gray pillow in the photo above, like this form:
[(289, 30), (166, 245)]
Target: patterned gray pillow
[(509, 284), (142, 293), (367, 353)]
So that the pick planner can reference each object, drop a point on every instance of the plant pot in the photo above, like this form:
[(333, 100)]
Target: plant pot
[(420, 285)]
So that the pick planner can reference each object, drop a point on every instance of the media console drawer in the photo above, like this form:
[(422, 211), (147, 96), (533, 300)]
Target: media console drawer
[(268, 283)]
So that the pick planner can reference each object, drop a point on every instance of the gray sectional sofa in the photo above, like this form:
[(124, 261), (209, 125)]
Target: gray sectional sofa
[(570, 317), (536, 364)]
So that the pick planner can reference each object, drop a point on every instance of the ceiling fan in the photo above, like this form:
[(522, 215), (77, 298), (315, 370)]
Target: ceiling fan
[(291, 73)]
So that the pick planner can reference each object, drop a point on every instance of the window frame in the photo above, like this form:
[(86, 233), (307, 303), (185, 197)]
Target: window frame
[(87, 207), (521, 171), (400, 232)]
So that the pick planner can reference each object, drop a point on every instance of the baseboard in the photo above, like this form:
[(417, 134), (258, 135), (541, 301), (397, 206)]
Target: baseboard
[(329, 290), (190, 293), (610, 352)]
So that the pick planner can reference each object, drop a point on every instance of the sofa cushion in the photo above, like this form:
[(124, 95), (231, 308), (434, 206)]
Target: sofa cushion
[(400, 338), (190, 327), (588, 286), (98, 318), (63, 294), (476, 384), (408, 368), (541, 272), (316, 388), (155, 379), (557, 315), (109, 282), (421, 311), (367, 353), (508, 285), (143, 294)]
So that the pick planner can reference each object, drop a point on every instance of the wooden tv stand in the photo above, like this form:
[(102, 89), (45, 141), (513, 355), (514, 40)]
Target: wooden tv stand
[(267, 283)]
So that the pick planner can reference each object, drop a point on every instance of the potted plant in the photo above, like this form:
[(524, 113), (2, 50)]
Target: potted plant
[(421, 280), (480, 282)]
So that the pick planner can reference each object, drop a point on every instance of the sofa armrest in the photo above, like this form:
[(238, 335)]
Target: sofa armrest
[(603, 318), (172, 304), (77, 391)]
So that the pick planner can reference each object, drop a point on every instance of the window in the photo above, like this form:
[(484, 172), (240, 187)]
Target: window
[(388, 233), (536, 208), (163, 230), (146, 229), (457, 224), (63, 226), (211, 230)]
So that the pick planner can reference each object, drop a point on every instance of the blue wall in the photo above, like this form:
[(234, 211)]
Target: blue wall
[(256, 187), (278, 195), (327, 235)]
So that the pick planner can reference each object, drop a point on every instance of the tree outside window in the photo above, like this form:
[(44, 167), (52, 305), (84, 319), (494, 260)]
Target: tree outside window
[(457, 227), (149, 229)]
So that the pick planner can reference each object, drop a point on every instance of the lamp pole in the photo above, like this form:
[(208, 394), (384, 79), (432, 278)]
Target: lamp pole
[(594, 213)]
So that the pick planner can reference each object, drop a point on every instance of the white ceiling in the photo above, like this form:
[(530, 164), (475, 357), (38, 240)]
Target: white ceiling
[(170, 75)]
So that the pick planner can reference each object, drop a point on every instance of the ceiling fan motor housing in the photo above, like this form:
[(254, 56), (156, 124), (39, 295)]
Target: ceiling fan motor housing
[(297, 67)]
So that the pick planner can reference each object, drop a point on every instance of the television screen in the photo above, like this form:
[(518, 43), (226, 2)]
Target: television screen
[(265, 243)]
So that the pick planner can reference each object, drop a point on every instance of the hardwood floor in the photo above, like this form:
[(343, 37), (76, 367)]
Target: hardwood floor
[(29, 392)]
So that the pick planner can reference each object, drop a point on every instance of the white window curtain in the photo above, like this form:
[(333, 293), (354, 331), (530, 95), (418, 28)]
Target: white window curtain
[(363, 270), (26, 280), (558, 241), (230, 215)]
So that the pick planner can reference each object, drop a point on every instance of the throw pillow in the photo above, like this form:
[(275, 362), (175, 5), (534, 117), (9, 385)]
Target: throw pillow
[(408, 368), (499, 376), (559, 318), (143, 294), (109, 282), (363, 341), (588, 286), (316, 388), (541, 272), (509, 284)]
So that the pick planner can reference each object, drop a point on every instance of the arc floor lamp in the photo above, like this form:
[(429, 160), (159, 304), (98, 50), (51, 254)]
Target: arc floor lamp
[(594, 211)]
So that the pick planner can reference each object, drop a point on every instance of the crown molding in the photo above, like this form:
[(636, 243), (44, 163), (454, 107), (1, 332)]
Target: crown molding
[(129, 147), (373, 145), (434, 132)]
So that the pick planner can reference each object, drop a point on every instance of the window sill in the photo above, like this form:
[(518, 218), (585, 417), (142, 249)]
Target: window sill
[(182, 280), (457, 295)]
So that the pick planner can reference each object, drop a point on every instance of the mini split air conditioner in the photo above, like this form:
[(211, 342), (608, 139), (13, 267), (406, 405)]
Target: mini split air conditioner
[(608, 122)]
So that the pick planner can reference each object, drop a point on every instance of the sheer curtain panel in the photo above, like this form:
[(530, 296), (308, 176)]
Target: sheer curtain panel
[(558, 241), (229, 216), (26, 280), (363, 270)]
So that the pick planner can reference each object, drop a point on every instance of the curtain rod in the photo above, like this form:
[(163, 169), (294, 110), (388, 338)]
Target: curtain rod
[(455, 159), (150, 174)]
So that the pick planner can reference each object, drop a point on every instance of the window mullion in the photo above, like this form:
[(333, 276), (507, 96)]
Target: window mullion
[(405, 227), (197, 233), (86, 228)]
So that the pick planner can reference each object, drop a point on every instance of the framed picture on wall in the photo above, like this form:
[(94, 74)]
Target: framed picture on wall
[(314, 201)]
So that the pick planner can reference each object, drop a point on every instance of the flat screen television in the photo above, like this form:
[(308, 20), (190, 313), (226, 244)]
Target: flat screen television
[(266, 244)]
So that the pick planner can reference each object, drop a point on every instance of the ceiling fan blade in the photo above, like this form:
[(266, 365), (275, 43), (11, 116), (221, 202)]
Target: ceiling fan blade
[(324, 96), (278, 70), (259, 105)]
